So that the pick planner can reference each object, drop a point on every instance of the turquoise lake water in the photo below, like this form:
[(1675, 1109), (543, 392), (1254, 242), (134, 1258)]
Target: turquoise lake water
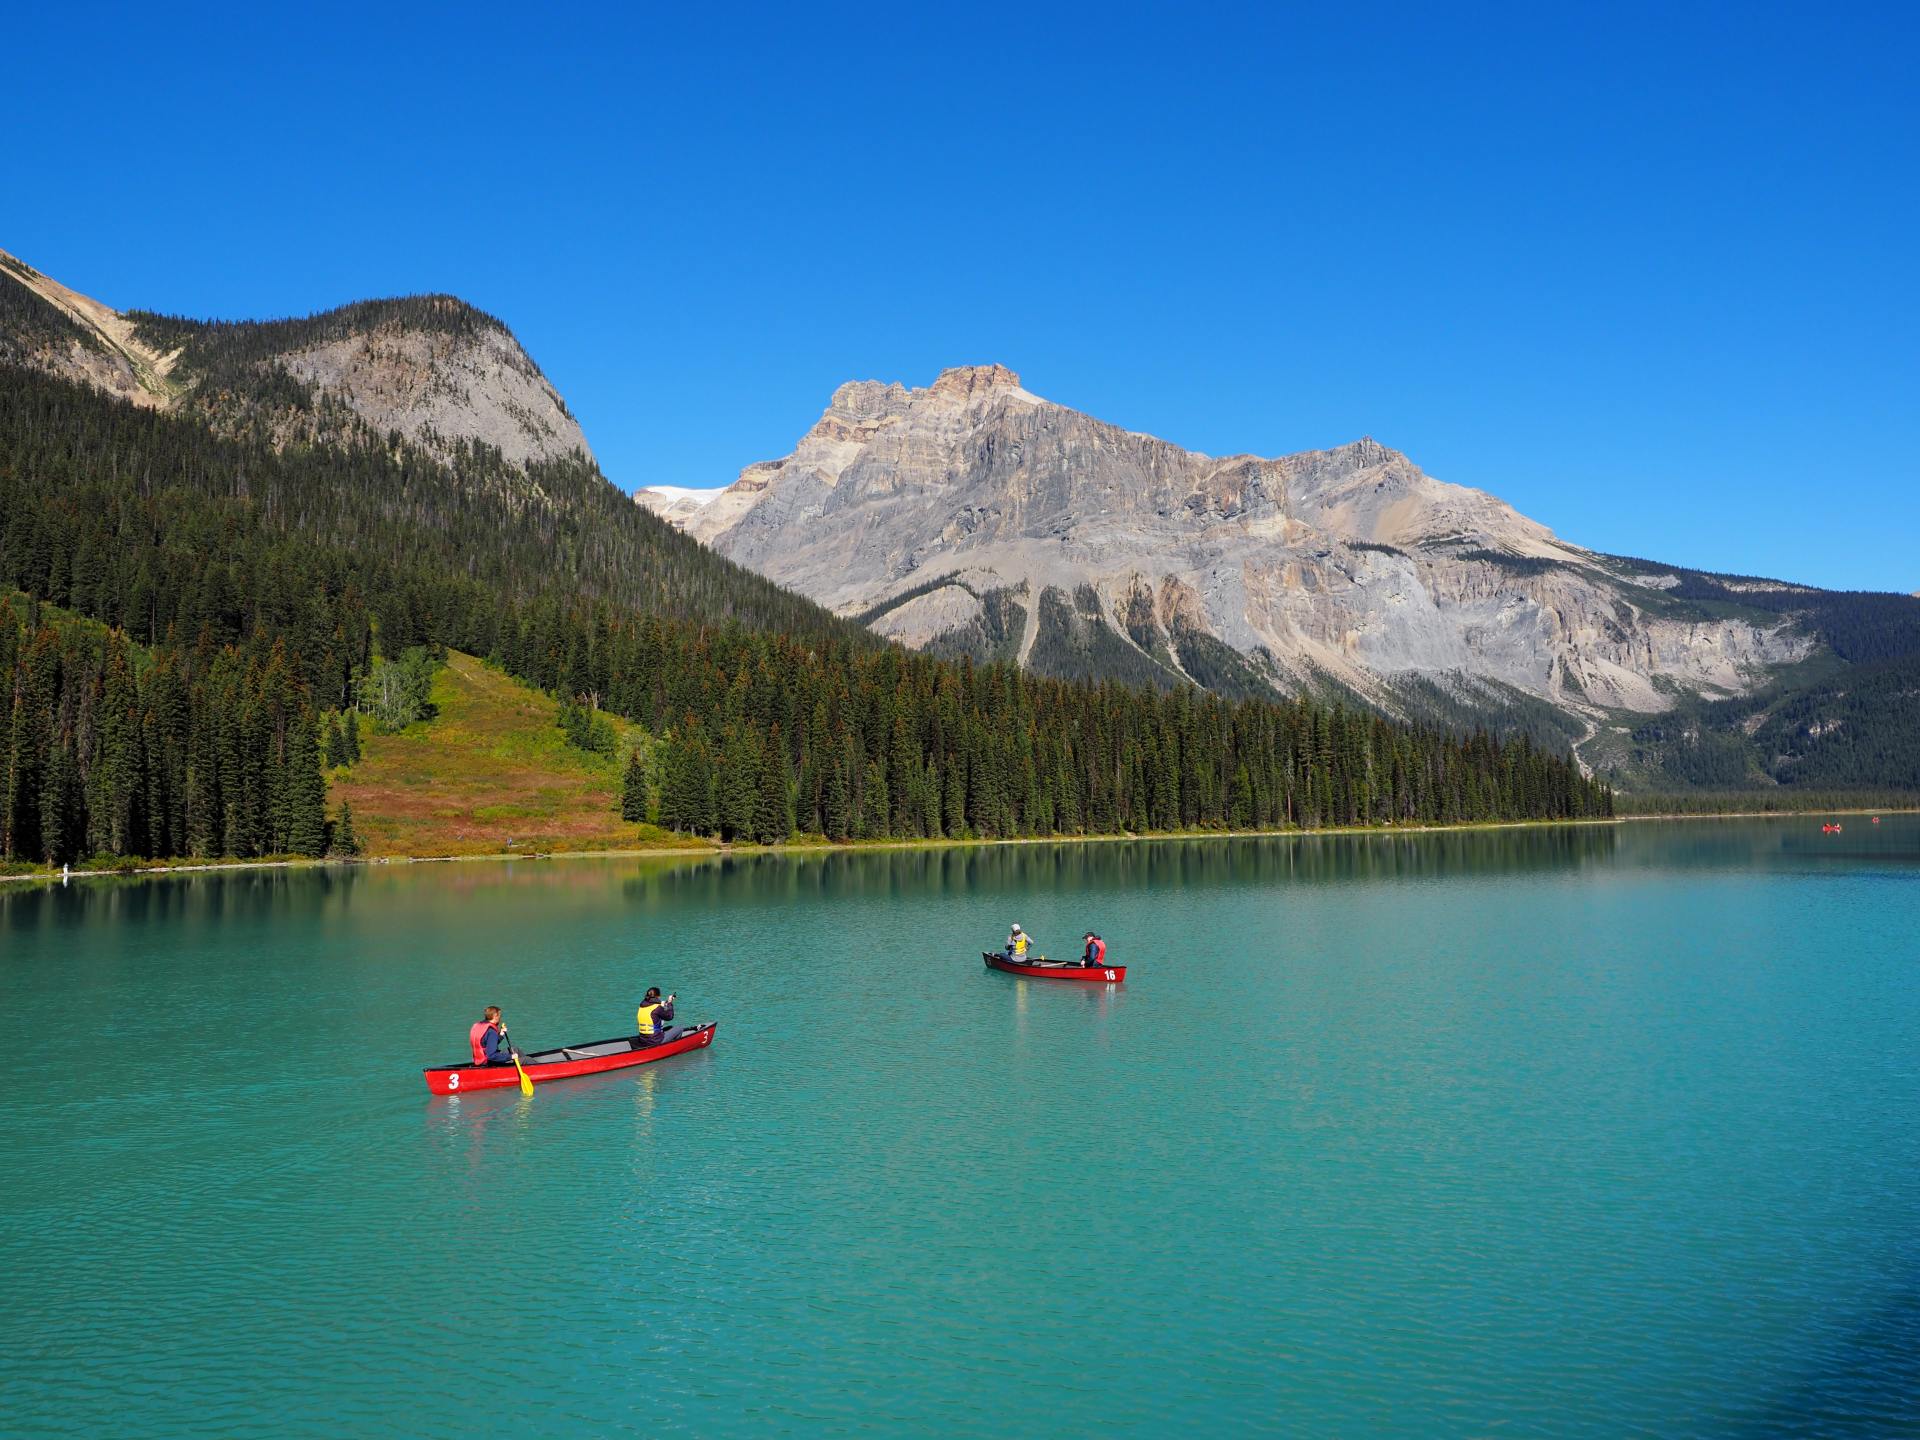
[(1584, 1131)]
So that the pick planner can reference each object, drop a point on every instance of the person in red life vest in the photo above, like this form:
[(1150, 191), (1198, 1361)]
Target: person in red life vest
[(656, 1018), (488, 1039), (1096, 955)]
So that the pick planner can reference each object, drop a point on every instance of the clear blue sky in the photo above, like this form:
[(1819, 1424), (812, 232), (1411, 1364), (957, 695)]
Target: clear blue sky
[(1648, 273)]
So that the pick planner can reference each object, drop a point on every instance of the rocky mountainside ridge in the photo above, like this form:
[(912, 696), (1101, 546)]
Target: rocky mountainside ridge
[(431, 369), (972, 515)]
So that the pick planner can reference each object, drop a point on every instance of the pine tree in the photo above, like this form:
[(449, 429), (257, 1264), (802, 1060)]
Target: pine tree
[(686, 800), (633, 790), (836, 812), (930, 796), (773, 806), (303, 792), (1240, 806), (345, 841), (738, 782), (874, 805), (201, 808), (9, 652), (118, 769), (36, 695), (676, 800), (58, 782), (954, 805)]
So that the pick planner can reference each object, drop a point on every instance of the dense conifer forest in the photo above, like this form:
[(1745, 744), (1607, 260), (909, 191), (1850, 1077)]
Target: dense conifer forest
[(229, 599)]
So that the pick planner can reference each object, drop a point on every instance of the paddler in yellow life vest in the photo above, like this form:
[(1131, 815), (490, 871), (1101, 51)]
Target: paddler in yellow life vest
[(656, 1017), (1017, 945)]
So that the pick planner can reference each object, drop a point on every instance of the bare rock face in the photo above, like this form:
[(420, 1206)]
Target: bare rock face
[(438, 387), (77, 338), (914, 507), (432, 369)]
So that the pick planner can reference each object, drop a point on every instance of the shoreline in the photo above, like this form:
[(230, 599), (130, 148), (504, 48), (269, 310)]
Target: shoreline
[(1774, 814), (827, 847)]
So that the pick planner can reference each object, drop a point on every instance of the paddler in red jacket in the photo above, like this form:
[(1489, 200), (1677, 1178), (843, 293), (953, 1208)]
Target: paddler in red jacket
[(488, 1039), (1096, 955)]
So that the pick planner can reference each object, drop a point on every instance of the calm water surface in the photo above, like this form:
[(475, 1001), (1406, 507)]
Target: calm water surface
[(1575, 1132)]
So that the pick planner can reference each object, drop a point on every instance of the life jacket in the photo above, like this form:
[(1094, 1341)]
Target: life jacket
[(645, 1015), (1099, 951), (1019, 945), (477, 1038)]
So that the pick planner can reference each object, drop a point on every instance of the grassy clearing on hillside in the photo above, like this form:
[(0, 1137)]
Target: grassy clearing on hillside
[(489, 772)]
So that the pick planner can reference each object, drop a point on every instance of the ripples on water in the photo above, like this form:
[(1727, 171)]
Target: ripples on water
[(1568, 1132)]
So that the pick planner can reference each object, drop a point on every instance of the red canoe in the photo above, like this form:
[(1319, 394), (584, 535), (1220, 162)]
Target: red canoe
[(564, 1063), (1057, 970)]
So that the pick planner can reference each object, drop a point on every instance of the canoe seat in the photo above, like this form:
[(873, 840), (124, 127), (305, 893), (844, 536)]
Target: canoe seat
[(585, 1052)]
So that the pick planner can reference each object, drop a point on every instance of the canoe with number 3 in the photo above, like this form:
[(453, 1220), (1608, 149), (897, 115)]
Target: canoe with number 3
[(567, 1062), (1057, 969)]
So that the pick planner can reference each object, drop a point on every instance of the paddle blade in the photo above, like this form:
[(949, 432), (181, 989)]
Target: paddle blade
[(526, 1080)]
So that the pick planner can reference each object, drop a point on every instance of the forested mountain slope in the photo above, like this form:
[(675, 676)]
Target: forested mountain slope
[(1847, 716), (246, 585), (426, 369)]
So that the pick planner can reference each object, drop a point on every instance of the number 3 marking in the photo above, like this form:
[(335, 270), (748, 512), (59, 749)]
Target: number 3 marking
[(453, 1082)]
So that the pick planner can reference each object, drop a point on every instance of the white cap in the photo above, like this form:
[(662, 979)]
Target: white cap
[(1016, 924)]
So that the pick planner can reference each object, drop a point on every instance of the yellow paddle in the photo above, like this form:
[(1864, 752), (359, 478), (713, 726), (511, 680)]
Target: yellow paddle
[(526, 1080)]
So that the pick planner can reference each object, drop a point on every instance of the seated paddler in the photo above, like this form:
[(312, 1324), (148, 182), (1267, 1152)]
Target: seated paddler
[(1018, 944), (1095, 954), (656, 1018), (488, 1039)]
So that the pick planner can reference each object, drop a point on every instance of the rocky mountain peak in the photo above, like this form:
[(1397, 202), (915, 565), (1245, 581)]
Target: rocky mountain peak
[(1364, 453), (1027, 531), (1343, 461), (858, 397), (968, 382)]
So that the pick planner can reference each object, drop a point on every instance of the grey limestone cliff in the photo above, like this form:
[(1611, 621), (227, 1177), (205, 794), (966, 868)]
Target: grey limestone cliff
[(437, 387), (913, 507)]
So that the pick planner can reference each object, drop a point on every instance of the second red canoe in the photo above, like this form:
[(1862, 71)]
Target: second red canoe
[(1057, 970)]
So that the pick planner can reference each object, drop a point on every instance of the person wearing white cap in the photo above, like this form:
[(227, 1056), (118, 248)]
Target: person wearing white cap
[(1017, 944)]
